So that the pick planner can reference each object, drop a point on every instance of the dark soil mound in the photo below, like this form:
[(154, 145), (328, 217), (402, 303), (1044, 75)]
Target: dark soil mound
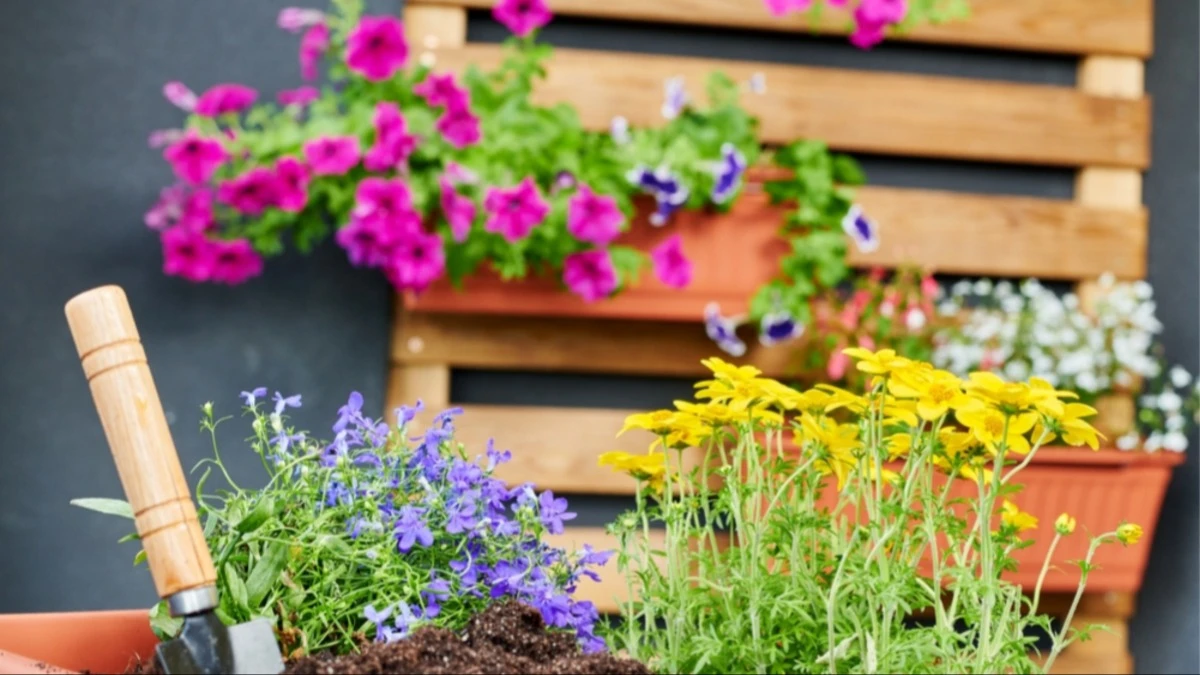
[(505, 638)]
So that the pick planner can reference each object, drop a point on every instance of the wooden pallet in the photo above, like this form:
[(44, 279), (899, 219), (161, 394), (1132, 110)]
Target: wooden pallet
[(1100, 128)]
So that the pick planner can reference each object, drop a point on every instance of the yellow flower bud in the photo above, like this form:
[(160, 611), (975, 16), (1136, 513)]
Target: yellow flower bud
[(1129, 533), (1065, 524)]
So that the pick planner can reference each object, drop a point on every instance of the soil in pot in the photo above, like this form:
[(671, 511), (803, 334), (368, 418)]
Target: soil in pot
[(505, 638)]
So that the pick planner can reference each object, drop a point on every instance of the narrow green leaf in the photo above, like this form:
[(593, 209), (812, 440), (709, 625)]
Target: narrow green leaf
[(266, 572), (112, 507), (236, 588), (139, 558)]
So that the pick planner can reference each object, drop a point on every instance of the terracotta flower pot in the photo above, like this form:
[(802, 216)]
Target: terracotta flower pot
[(733, 254), (63, 642)]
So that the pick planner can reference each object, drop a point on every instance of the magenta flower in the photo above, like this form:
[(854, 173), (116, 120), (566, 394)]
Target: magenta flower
[(393, 143), (389, 201), (458, 209), (441, 90), (514, 212), (376, 48), (871, 19), (459, 127), (331, 155), (782, 7), (195, 158), (182, 206), (235, 261), (252, 192), (300, 96), (522, 17), (163, 137), (296, 19), (292, 183), (417, 260), (671, 266), (225, 98), (188, 254), (593, 218), (590, 274), (368, 242), (180, 96), (312, 47)]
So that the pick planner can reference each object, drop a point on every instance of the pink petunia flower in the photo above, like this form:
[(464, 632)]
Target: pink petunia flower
[(180, 205), (522, 17), (225, 98), (195, 158), (671, 266), (871, 19), (376, 48), (312, 47), (293, 177), (252, 192), (163, 137), (368, 242), (514, 212), (331, 155), (300, 96), (459, 127), (593, 218), (590, 274), (296, 19), (782, 7), (393, 143), (188, 254), (235, 261), (417, 260), (458, 209), (180, 96), (441, 90), (384, 199)]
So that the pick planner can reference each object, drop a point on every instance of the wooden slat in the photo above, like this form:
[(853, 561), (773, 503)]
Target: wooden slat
[(858, 111), (1122, 27)]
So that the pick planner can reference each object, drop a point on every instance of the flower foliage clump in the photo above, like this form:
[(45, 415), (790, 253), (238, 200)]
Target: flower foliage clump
[(872, 19), (378, 533), (804, 527)]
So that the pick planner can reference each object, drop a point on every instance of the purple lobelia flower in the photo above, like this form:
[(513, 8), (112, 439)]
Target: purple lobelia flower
[(284, 402), (336, 493), (435, 593), (619, 130), (675, 98), (728, 173), (553, 511), (778, 326), (495, 458), (464, 475), (377, 617), (863, 231), (411, 529), (460, 516), (723, 330), (405, 414), (349, 413), (252, 396)]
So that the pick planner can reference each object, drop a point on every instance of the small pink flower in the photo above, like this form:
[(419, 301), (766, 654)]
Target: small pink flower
[(590, 274), (331, 155), (195, 158), (671, 266), (417, 260), (860, 300), (459, 127), (929, 286), (180, 205), (393, 143), (459, 210), (293, 177), (300, 96), (457, 173), (514, 212), (850, 316), (187, 253), (235, 262), (296, 19), (593, 218), (252, 192), (838, 363), (312, 48), (522, 17), (368, 242), (376, 48), (441, 90), (163, 137), (180, 96), (866, 342), (225, 98), (782, 7), (383, 199)]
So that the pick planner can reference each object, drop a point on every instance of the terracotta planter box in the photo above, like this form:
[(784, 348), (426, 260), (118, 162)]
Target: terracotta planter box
[(63, 642)]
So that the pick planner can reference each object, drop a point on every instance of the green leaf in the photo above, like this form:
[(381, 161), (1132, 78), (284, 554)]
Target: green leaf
[(846, 170), (165, 626), (266, 572), (255, 519), (112, 507), (236, 588), (139, 558), (132, 536)]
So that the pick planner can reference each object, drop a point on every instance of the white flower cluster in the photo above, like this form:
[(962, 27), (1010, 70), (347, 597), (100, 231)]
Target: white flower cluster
[(1164, 412), (1030, 331)]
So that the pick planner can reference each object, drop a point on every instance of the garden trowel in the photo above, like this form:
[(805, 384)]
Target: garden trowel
[(133, 420)]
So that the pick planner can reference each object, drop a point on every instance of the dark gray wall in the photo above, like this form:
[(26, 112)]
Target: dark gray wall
[(79, 91)]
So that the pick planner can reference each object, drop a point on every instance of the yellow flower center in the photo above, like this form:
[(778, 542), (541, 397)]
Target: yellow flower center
[(940, 392), (993, 425)]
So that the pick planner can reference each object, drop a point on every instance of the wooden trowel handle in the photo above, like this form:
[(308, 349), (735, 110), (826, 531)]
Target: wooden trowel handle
[(127, 401)]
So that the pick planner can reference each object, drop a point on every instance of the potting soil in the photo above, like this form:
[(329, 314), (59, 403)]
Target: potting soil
[(505, 638)]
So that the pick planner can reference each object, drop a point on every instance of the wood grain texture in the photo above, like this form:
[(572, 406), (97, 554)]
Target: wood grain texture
[(858, 111), (127, 402), (1123, 27)]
